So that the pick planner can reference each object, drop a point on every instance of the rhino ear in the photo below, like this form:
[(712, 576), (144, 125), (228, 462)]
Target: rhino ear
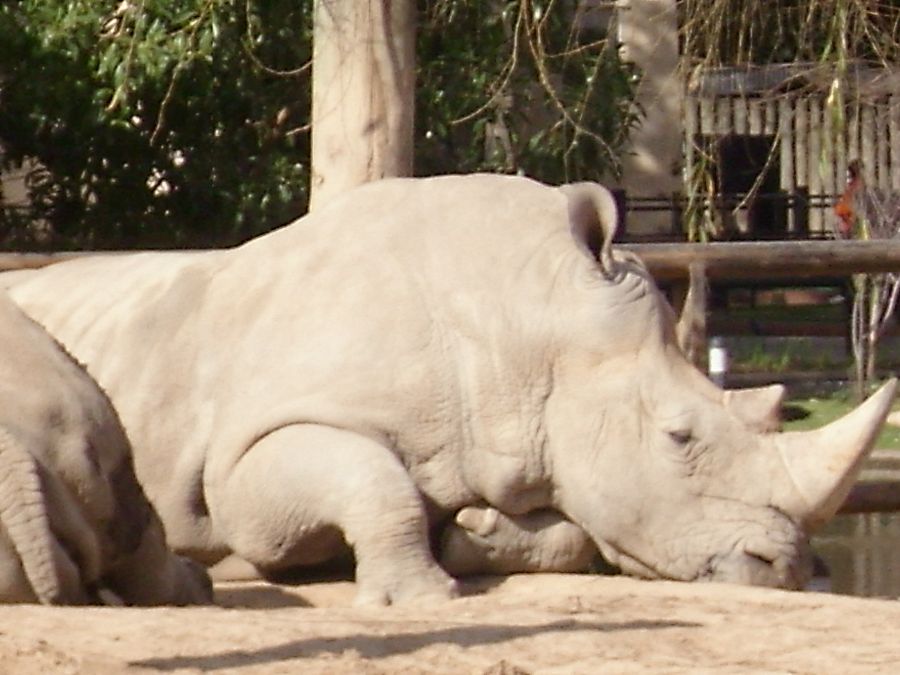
[(593, 217), (759, 408)]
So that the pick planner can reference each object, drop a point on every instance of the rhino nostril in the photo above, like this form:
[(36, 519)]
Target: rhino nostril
[(760, 558), (766, 558)]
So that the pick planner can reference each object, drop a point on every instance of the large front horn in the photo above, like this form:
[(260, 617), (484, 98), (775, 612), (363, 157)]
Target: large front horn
[(823, 464)]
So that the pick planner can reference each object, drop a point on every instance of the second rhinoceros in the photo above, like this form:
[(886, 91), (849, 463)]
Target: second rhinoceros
[(423, 346), (75, 526)]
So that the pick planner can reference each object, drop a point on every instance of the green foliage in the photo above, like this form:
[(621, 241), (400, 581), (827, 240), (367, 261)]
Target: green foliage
[(155, 122), (736, 32), (186, 122), (512, 86)]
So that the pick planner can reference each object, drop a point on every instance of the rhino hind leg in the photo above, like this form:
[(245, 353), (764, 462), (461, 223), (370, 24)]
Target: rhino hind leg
[(304, 492), (483, 540)]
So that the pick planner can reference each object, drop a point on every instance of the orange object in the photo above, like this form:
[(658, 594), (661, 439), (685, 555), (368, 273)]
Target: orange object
[(844, 208)]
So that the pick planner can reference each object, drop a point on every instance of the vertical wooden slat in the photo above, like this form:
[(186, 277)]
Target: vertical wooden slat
[(894, 130), (867, 142), (840, 154), (754, 115), (770, 117), (739, 107), (785, 140), (801, 124), (853, 127), (814, 150), (707, 123), (832, 150), (882, 145), (724, 116), (724, 126)]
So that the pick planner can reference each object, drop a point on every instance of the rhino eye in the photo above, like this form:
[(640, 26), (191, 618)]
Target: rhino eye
[(681, 436)]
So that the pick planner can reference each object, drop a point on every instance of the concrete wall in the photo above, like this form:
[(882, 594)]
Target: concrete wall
[(648, 30)]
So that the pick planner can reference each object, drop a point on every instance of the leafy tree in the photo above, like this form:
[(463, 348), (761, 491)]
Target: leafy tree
[(156, 122), (518, 86), (186, 123), (741, 32)]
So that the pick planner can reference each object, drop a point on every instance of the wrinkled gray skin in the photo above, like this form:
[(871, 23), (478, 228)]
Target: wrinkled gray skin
[(421, 346), (75, 526), (481, 540)]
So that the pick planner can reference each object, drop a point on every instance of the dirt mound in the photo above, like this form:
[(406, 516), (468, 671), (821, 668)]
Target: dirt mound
[(523, 624)]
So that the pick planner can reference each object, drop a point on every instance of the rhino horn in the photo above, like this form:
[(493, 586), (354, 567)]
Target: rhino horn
[(823, 464), (758, 407)]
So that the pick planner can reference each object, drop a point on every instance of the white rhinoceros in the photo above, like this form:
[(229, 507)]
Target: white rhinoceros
[(420, 346), (73, 519)]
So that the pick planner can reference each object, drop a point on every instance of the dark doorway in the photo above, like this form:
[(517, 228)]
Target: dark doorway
[(743, 162)]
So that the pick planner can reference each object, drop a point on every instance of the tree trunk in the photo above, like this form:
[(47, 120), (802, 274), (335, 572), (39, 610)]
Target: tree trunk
[(363, 93)]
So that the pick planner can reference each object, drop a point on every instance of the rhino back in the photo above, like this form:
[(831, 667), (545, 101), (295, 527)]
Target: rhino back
[(401, 312)]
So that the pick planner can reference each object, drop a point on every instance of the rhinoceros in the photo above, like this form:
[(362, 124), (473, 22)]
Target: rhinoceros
[(424, 350), (75, 526)]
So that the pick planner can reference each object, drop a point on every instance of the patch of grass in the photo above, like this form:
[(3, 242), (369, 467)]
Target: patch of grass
[(804, 413), (787, 313), (789, 357)]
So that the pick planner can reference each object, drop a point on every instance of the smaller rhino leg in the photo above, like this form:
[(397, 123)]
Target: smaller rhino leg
[(14, 585), (153, 575), (146, 572), (303, 493), (482, 540)]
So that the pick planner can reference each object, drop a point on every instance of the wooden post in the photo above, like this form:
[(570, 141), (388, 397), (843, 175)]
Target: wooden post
[(363, 93), (692, 306), (648, 33)]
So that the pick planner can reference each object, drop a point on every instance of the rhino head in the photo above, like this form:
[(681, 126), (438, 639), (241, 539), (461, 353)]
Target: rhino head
[(670, 476)]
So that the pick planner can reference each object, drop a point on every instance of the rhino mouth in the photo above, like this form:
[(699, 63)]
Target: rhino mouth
[(628, 564), (748, 562)]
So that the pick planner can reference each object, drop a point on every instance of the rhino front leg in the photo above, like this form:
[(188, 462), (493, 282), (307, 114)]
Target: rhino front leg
[(299, 493), (483, 540)]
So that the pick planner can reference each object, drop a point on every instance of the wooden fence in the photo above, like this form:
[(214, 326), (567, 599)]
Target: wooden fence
[(671, 264), (807, 144)]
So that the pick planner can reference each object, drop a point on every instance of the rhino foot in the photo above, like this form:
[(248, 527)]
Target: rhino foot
[(483, 540), (425, 585)]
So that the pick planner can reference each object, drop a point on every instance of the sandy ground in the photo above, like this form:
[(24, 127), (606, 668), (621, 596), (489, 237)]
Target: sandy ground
[(523, 624)]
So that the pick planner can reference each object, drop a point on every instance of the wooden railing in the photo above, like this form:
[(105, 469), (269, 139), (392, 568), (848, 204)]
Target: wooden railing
[(673, 264), (670, 262), (768, 260)]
